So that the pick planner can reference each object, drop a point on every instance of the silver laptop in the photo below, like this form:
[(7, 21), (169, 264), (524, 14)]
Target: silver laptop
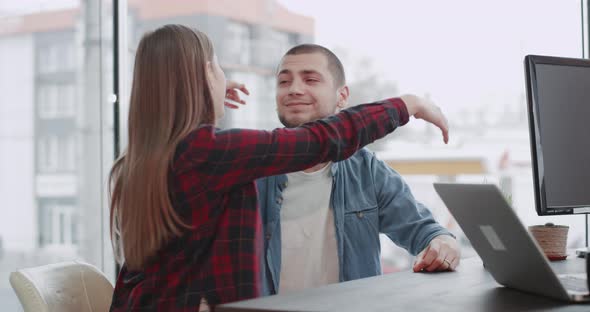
[(504, 244)]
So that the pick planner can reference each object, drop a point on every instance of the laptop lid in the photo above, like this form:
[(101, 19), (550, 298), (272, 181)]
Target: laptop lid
[(507, 249)]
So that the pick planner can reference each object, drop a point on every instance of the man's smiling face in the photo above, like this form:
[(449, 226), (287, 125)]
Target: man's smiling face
[(306, 90)]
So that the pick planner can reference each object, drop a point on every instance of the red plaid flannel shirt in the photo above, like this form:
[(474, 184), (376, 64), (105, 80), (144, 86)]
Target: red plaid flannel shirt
[(212, 187)]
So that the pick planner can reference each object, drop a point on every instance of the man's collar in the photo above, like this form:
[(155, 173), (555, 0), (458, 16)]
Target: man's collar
[(334, 168)]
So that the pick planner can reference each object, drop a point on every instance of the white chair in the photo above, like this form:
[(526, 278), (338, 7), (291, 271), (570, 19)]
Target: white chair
[(66, 286)]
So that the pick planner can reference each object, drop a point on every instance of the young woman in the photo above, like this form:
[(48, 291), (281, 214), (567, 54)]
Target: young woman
[(183, 201)]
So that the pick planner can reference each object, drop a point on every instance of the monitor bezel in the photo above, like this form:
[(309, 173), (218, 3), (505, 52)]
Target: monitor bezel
[(531, 61)]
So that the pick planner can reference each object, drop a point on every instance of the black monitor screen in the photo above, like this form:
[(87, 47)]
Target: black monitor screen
[(558, 91)]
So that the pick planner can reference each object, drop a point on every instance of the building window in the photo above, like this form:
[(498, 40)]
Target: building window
[(47, 99), (56, 153), (237, 43), (68, 60), (66, 106), (47, 154), (270, 47), (48, 59), (57, 225), (69, 153), (57, 101), (280, 43), (57, 57)]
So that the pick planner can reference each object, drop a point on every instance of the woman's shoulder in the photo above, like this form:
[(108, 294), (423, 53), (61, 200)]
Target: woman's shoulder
[(198, 136), (196, 140)]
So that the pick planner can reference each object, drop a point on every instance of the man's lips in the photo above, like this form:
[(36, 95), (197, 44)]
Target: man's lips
[(289, 104)]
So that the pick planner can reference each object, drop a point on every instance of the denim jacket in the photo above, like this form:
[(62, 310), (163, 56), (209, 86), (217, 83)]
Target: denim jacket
[(368, 198)]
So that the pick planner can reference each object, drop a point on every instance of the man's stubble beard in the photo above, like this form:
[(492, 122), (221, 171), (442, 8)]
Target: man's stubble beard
[(287, 124)]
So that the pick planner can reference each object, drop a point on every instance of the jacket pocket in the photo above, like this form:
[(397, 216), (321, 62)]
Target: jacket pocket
[(366, 217), (361, 242)]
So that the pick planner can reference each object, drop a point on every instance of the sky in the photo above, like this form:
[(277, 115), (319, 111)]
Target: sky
[(461, 53)]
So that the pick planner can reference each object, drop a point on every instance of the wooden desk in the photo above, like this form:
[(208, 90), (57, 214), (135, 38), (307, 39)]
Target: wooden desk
[(470, 288)]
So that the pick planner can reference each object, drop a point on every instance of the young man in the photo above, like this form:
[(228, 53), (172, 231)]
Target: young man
[(322, 224)]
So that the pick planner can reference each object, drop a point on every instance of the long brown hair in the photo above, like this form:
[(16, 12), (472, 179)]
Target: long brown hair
[(170, 97)]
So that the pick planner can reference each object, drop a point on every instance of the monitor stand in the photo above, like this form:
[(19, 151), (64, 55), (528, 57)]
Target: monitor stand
[(585, 251), (582, 252)]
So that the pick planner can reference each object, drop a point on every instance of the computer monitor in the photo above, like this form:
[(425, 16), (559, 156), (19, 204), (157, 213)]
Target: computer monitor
[(558, 96)]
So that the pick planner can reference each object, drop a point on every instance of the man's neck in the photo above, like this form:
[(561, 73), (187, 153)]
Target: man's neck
[(316, 167)]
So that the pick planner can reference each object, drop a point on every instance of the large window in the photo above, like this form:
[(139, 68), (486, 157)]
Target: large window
[(457, 53), (56, 115), (467, 56), (56, 138)]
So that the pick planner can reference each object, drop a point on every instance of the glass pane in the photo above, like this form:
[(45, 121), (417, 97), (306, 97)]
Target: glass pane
[(248, 45), (55, 135), (466, 56)]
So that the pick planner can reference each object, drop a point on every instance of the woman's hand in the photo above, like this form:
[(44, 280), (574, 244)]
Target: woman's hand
[(422, 108), (232, 96)]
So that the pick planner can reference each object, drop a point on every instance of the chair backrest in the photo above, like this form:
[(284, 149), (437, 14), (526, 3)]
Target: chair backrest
[(65, 286)]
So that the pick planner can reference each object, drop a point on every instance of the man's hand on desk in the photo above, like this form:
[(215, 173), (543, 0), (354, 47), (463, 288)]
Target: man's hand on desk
[(442, 254)]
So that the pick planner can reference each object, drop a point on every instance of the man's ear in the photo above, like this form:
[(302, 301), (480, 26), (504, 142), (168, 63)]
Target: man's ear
[(343, 95)]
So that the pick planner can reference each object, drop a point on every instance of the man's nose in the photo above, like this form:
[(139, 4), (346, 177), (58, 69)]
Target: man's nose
[(296, 87)]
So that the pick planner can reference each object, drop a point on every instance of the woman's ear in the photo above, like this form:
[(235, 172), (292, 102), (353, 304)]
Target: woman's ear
[(209, 69)]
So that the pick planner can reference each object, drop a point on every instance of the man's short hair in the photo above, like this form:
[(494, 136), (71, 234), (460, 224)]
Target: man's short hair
[(334, 65)]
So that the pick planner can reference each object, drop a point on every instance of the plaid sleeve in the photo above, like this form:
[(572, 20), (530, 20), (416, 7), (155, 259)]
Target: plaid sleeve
[(235, 156)]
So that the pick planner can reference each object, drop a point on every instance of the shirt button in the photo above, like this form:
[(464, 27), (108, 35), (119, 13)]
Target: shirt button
[(267, 236), (279, 200), (359, 214)]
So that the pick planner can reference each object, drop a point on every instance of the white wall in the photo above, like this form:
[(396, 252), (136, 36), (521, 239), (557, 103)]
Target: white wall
[(18, 226)]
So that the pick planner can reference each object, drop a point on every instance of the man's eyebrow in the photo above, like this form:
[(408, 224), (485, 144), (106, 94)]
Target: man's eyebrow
[(305, 72), (284, 71), (310, 72)]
